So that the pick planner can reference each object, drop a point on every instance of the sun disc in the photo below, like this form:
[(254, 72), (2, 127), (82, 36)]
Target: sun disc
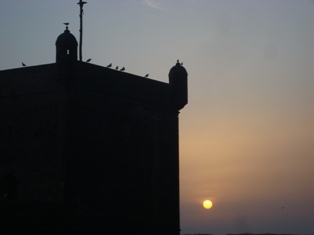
[(207, 204)]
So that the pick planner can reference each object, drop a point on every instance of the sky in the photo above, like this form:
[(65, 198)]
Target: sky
[(247, 133)]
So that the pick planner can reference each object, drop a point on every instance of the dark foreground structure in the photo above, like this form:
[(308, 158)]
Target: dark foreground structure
[(87, 149)]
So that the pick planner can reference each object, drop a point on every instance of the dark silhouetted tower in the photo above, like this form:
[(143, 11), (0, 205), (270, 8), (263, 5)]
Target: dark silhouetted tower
[(178, 80), (66, 46)]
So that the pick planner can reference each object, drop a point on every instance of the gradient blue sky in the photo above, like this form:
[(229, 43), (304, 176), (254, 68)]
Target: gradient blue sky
[(247, 134)]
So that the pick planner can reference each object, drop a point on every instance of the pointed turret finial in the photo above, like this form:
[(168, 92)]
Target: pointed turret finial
[(66, 26), (178, 63)]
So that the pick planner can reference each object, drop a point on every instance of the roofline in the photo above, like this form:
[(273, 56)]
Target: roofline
[(28, 67)]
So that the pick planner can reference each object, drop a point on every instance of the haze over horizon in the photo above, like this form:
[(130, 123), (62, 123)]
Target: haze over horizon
[(247, 133)]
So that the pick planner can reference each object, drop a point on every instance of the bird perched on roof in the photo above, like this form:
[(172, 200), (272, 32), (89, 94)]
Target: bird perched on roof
[(109, 65), (122, 69), (66, 25), (117, 67), (23, 64), (146, 75), (87, 61)]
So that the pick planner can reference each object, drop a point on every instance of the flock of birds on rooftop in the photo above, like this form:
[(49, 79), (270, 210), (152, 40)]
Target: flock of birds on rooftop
[(108, 66), (117, 67)]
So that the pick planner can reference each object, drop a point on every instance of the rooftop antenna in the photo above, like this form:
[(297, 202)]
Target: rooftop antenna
[(81, 4)]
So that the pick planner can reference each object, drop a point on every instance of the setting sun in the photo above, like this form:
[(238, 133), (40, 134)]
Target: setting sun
[(207, 204)]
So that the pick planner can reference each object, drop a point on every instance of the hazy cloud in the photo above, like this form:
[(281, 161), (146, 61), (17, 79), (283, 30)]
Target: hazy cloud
[(154, 4)]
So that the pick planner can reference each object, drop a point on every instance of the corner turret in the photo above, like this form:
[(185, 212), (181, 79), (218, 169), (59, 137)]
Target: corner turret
[(66, 46), (178, 80)]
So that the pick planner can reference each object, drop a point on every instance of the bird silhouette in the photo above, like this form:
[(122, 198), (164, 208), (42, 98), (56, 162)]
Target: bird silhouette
[(181, 63), (146, 75), (109, 65), (88, 60), (23, 64), (117, 67), (122, 69)]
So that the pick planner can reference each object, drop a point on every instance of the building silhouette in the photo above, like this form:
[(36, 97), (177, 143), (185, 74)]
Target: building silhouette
[(87, 149)]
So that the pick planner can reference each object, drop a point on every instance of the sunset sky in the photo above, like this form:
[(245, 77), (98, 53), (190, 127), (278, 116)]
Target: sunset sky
[(247, 133)]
